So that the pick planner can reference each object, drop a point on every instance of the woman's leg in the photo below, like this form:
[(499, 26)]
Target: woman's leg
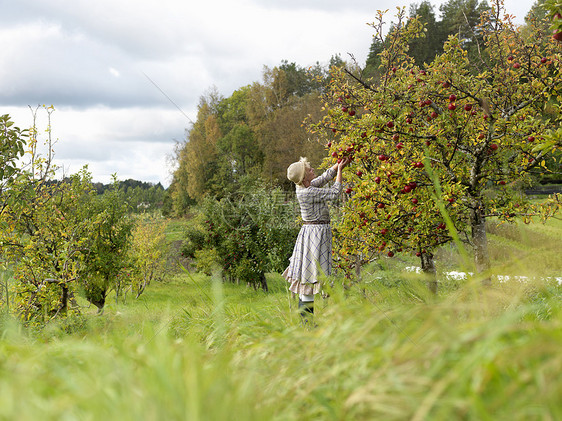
[(306, 306)]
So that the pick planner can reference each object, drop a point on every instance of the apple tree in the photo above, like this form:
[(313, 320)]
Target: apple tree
[(108, 244), (147, 254), (439, 149), (45, 234)]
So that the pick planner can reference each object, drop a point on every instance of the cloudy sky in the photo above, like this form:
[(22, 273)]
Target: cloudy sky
[(104, 64)]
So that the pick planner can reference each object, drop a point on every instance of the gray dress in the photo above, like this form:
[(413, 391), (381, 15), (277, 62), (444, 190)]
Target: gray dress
[(313, 248)]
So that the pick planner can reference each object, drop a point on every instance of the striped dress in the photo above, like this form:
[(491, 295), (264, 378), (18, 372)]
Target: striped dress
[(313, 248)]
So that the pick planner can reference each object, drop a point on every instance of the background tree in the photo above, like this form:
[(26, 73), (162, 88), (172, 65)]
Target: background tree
[(107, 246), (458, 17), (246, 234), (253, 133), (426, 47), (147, 254)]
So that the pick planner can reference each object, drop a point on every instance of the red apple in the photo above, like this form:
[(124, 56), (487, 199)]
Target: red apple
[(481, 136), (446, 84), (351, 113), (359, 173), (390, 124), (395, 137), (510, 57), (384, 231), (399, 145), (415, 201), (348, 190), (452, 106), (335, 154), (329, 144), (494, 147), (390, 254), (380, 205), (418, 254), (502, 183), (382, 157), (434, 114), (407, 189), (468, 107), (377, 180), (516, 65), (531, 138), (452, 97), (544, 60)]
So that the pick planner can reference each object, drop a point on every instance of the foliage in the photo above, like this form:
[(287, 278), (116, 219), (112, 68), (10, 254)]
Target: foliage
[(440, 148), (142, 197), (253, 133), (57, 234), (147, 253), (47, 231), (458, 18), (108, 245), (12, 143), (247, 234)]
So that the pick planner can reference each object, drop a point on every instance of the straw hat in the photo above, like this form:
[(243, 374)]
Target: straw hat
[(296, 171)]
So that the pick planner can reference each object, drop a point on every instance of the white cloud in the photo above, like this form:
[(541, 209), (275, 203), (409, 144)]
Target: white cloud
[(90, 59)]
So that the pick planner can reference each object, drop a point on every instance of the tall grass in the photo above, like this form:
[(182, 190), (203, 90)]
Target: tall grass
[(195, 348), (202, 350)]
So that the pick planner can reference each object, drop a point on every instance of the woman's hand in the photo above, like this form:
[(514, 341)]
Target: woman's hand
[(344, 162), (341, 165)]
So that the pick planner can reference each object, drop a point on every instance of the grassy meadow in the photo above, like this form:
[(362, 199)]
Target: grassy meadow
[(195, 348)]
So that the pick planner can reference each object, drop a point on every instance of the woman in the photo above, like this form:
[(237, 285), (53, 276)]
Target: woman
[(313, 248)]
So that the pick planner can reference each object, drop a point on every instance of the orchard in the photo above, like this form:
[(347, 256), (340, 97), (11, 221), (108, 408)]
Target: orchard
[(441, 148)]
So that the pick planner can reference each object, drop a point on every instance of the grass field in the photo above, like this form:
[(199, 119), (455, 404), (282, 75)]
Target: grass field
[(194, 348)]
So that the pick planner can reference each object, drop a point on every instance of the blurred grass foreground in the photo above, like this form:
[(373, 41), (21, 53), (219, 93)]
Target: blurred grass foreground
[(195, 348)]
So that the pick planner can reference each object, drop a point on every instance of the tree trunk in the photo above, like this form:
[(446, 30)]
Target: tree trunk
[(428, 268), (263, 283), (480, 243), (97, 296), (357, 268)]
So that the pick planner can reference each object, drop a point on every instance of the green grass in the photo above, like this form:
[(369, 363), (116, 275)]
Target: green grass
[(198, 349)]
